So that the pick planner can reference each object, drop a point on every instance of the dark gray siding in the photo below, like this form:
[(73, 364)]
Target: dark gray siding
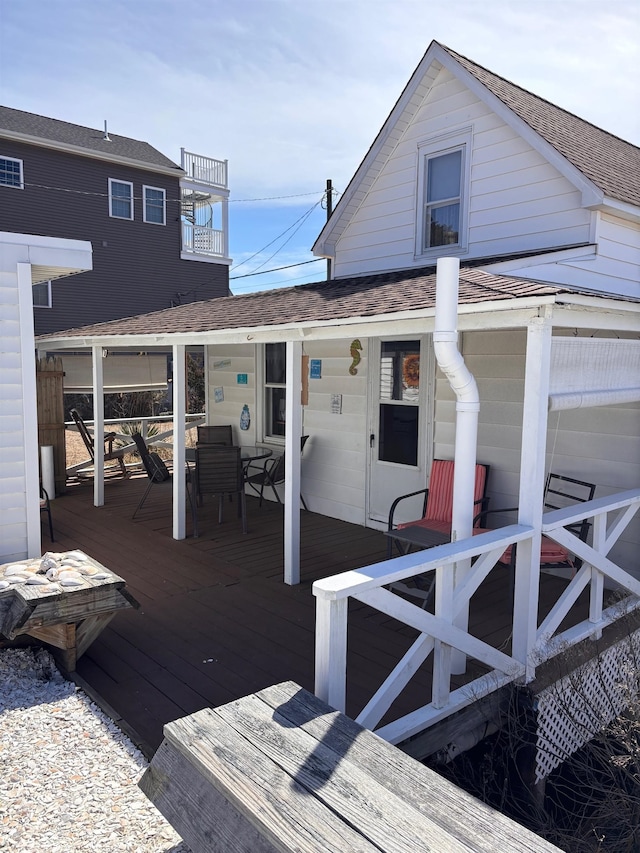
[(136, 265)]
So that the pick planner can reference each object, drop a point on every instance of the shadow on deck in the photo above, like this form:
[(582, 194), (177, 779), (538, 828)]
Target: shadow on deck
[(216, 621)]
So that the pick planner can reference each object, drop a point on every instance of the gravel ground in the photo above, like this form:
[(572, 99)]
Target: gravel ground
[(68, 775)]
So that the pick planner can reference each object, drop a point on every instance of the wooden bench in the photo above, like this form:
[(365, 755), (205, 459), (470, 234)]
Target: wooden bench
[(281, 771)]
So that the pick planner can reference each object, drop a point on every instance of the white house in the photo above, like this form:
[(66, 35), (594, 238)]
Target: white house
[(543, 211), (25, 260)]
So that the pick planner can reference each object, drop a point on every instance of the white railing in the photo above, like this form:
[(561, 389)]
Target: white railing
[(205, 170), (199, 240), (152, 439), (438, 635)]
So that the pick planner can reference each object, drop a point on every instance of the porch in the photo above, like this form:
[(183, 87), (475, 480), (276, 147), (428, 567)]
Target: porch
[(217, 622)]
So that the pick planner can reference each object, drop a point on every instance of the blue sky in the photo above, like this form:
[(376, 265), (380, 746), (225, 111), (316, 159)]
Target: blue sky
[(292, 92)]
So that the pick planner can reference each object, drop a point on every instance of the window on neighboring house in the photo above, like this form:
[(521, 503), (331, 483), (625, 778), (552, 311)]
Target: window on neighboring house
[(275, 391), (442, 194), (11, 173), (120, 199), (154, 205), (42, 295)]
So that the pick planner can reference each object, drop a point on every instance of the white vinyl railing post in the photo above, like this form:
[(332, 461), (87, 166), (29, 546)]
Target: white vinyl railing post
[(530, 501), (331, 651), (596, 593), (97, 354), (179, 458)]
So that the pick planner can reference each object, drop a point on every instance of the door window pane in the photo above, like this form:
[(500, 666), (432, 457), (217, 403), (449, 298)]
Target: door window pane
[(400, 370), (398, 434)]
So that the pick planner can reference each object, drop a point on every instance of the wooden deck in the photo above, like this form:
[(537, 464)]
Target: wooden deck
[(216, 621)]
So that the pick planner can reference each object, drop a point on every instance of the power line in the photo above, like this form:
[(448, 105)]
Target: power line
[(275, 269), (172, 200)]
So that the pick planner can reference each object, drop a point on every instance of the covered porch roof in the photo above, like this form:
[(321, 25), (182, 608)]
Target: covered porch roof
[(369, 305)]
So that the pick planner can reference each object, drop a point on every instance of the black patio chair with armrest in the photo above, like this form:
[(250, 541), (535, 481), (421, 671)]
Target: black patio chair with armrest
[(219, 472), (157, 472), (560, 491), (111, 454), (272, 474)]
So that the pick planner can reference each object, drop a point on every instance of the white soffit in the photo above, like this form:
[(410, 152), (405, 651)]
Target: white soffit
[(593, 372)]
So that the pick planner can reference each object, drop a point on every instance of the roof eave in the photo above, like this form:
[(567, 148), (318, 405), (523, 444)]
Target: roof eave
[(175, 171)]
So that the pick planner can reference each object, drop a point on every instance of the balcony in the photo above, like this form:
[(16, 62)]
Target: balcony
[(204, 213), (204, 170)]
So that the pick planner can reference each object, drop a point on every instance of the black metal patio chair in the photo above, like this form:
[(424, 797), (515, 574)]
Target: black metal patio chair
[(219, 472), (158, 473)]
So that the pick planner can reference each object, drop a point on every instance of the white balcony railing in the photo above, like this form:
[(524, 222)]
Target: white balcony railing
[(205, 170), (199, 240), (438, 633)]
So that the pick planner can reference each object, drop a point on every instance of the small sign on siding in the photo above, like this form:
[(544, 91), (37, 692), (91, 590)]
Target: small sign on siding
[(336, 404), (315, 368), (218, 395), (242, 378)]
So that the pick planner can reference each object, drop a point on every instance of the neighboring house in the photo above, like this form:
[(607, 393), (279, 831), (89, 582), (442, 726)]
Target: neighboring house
[(543, 211), (159, 230), (25, 262)]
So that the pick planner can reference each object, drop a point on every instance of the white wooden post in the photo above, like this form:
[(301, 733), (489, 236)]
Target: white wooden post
[(530, 501), (596, 592), (97, 355), (331, 651), (292, 464), (29, 409), (179, 461)]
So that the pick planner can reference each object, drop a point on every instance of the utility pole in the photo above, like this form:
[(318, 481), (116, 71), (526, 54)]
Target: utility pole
[(329, 194)]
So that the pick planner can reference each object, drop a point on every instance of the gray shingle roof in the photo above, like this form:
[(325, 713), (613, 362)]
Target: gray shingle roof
[(63, 133), (364, 296), (612, 164)]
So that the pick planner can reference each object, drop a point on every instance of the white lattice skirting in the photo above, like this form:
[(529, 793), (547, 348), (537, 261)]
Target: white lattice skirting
[(572, 710)]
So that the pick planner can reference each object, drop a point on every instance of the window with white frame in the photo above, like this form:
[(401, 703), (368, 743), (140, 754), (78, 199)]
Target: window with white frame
[(11, 173), (275, 390), (442, 194), (120, 199), (154, 205), (42, 295)]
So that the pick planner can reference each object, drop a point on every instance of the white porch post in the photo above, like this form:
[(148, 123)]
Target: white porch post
[(98, 425), (530, 501), (292, 464), (29, 410), (179, 460)]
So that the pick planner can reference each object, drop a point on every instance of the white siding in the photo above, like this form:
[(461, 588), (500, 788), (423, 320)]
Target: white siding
[(224, 363), (614, 269), (517, 200), (599, 445)]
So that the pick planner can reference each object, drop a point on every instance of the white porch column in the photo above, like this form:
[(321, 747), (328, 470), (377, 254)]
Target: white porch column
[(292, 464), (29, 409), (179, 460), (532, 474), (98, 425)]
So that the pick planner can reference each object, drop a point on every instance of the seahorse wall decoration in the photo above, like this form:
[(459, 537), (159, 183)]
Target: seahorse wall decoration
[(357, 358)]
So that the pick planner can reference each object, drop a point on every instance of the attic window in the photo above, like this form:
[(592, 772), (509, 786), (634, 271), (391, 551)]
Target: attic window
[(11, 173), (442, 194)]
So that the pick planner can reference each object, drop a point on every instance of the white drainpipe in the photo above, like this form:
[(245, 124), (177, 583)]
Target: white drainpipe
[(451, 362)]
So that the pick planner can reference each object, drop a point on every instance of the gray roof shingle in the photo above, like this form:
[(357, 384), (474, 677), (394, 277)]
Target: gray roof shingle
[(365, 296), (63, 133), (612, 164)]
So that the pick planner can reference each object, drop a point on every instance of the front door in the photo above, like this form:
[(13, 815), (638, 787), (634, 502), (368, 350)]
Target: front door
[(399, 426)]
